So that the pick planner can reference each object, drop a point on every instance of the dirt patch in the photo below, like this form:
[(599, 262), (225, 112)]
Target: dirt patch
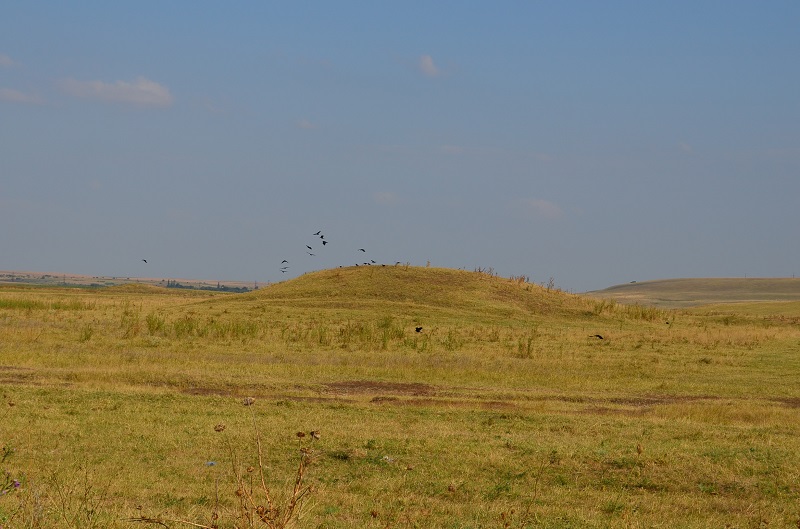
[(791, 402), (647, 401), (444, 403), (381, 398), (603, 410), (367, 387), (207, 392), (15, 375)]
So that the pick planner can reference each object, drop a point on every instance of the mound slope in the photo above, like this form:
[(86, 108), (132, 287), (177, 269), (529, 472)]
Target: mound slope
[(443, 288)]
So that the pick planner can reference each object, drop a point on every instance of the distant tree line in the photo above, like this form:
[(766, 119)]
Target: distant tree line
[(220, 288)]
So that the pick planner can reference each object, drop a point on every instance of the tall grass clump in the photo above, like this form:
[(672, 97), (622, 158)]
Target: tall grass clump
[(35, 304)]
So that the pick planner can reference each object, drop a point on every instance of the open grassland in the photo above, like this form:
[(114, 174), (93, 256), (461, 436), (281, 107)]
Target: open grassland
[(123, 407), (688, 292)]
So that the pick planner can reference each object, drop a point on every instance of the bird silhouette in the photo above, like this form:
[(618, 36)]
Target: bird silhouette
[(597, 336), (362, 250), (418, 329), (309, 247), (145, 260), (311, 254), (324, 243), (320, 231), (284, 261)]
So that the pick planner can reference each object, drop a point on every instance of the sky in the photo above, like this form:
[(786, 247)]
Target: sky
[(594, 143)]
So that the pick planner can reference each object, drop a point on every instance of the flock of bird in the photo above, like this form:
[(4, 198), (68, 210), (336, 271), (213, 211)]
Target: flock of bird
[(284, 268), (285, 265)]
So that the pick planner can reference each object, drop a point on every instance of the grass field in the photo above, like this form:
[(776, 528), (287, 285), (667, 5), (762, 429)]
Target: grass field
[(139, 406)]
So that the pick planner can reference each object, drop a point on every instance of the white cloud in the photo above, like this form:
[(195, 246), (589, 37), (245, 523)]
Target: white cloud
[(5, 60), (543, 208), (142, 91), (15, 96), (306, 124), (427, 66)]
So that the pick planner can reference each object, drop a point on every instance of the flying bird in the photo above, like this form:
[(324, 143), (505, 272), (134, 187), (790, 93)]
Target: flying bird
[(418, 329), (324, 243), (145, 260), (362, 250), (309, 247), (599, 336), (284, 261), (311, 254), (320, 231)]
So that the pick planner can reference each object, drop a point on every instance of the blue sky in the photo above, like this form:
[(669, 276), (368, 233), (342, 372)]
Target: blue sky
[(596, 143)]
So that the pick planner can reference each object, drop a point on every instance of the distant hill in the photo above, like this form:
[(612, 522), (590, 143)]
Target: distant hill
[(77, 280), (675, 293)]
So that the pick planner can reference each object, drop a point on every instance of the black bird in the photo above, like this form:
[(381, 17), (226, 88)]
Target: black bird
[(284, 261), (283, 271), (309, 247), (324, 243), (372, 261), (596, 336), (418, 329), (362, 250), (311, 254), (320, 231), (145, 260)]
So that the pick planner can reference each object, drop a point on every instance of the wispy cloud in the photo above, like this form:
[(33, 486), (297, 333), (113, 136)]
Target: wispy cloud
[(15, 96), (306, 124), (542, 208), (142, 91), (5, 60), (428, 67)]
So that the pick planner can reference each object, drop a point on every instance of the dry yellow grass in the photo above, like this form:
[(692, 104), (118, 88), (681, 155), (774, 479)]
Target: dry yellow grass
[(505, 410)]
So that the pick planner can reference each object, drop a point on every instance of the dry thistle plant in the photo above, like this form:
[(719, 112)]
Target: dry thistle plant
[(257, 506)]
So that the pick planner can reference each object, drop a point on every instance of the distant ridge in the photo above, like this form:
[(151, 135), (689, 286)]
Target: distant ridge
[(688, 292)]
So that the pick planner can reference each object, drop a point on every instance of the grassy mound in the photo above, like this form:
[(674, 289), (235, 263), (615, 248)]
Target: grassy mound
[(416, 287)]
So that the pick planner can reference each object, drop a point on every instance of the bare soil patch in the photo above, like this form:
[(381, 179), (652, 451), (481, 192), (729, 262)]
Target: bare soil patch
[(15, 375), (368, 387), (791, 402)]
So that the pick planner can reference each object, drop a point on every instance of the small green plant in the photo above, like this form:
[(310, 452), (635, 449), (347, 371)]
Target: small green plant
[(87, 331), (155, 323), (8, 483)]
